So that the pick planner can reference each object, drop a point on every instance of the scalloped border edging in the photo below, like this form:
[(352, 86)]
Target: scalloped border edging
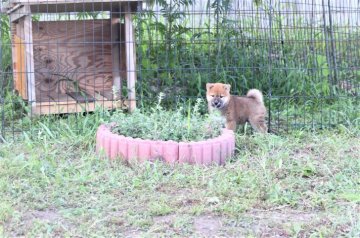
[(212, 151)]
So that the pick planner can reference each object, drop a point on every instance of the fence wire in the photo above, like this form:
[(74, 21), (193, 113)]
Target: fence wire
[(60, 58)]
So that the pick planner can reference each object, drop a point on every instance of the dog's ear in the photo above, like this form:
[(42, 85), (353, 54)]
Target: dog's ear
[(227, 87), (209, 86)]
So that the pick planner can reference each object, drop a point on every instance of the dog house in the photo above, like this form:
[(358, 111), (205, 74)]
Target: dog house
[(71, 56)]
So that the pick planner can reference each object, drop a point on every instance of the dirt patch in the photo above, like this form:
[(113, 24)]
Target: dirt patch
[(28, 218), (274, 223), (47, 215), (167, 219), (134, 233), (207, 226), (285, 215)]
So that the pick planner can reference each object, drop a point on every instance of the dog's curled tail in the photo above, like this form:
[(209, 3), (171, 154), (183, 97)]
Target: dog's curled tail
[(256, 95)]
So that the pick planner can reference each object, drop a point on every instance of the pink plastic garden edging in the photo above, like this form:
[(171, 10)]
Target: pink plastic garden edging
[(212, 151)]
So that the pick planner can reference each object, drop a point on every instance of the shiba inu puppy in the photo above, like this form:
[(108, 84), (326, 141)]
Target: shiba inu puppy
[(236, 109)]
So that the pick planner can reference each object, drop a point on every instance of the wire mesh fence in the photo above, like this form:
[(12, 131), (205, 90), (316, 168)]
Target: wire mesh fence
[(60, 57)]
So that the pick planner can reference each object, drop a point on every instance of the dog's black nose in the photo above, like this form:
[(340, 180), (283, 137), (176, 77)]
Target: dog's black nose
[(216, 103)]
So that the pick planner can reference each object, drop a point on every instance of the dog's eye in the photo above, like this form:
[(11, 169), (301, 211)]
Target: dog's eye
[(221, 96), (212, 96)]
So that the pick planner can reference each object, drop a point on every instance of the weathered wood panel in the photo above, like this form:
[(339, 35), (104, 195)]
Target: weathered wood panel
[(74, 55)]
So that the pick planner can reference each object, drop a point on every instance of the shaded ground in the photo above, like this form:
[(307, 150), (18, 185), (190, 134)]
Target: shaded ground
[(298, 185)]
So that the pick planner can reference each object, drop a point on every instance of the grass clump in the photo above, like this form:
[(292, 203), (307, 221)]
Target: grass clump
[(182, 124)]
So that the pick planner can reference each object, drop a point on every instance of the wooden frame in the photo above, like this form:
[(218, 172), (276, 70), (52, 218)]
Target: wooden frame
[(59, 2), (54, 6), (29, 47)]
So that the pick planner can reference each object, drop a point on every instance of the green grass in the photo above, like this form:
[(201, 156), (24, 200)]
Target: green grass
[(157, 123), (301, 184)]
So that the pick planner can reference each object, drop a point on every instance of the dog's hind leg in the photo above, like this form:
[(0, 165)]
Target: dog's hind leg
[(258, 123)]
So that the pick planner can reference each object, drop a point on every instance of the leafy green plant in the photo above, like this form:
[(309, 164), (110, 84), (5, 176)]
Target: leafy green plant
[(159, 124)]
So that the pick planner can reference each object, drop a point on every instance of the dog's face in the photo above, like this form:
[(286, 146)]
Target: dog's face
[(217, 94)]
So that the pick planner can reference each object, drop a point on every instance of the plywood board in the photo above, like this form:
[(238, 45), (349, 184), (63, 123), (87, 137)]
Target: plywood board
[(108, 95), (81, 97), (74, 56)]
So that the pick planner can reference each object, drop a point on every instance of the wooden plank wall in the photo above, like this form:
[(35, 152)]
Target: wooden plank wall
[(71, 55)]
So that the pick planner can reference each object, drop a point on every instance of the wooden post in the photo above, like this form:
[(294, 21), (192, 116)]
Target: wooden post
[(115, 51), (18, 60), (16, 15), (29, 58), (130, 57), (19, 69)]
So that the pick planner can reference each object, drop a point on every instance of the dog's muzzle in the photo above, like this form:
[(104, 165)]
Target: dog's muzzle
[(217, 103)]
